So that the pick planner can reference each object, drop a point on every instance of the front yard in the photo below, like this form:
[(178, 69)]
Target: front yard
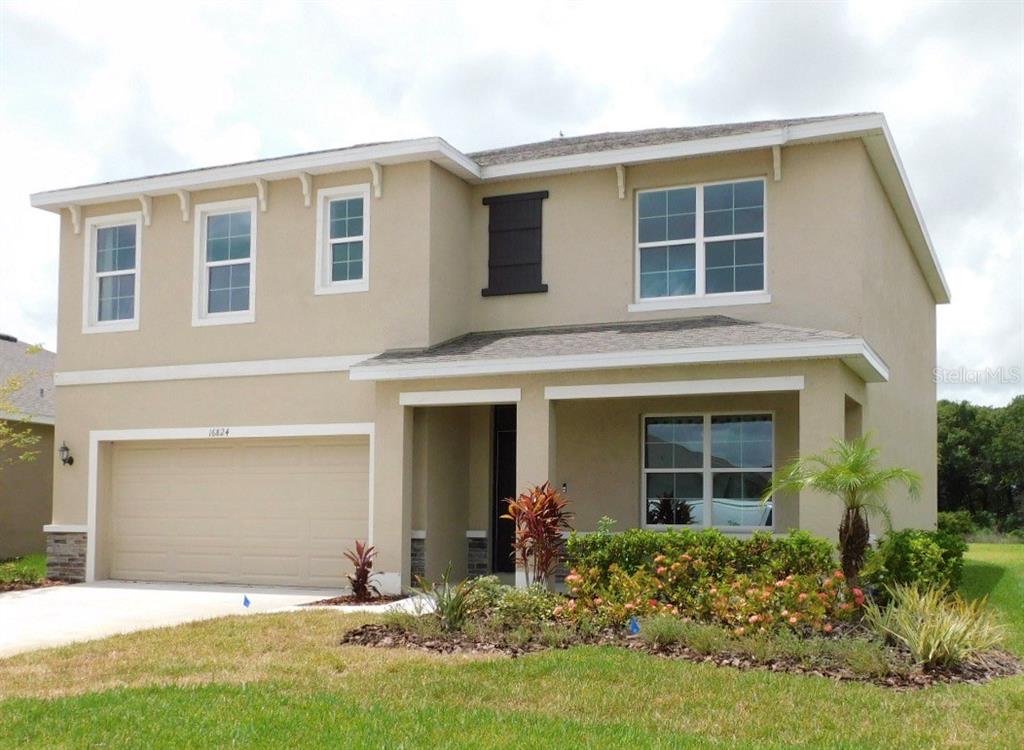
[(271, 680)]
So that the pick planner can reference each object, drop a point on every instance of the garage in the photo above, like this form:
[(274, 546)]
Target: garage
[(265, 511)]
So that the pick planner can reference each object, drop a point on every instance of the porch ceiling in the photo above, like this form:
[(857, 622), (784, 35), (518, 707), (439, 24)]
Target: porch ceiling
[(706, 339)]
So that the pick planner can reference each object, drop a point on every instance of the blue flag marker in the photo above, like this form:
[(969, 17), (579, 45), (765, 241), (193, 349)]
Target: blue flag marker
[(245, 601), (634, 626)]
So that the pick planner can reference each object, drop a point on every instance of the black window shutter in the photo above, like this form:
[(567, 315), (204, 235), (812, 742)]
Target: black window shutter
[(514, 261)]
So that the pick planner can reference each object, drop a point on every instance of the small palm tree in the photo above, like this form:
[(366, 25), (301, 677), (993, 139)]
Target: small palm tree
[(850, 471)]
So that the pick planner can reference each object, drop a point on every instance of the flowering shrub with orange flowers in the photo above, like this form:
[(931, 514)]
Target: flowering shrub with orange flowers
[(689, 588)]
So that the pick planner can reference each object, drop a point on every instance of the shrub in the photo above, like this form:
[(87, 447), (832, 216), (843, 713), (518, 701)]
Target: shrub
[(451, 601), (911, 556), (936, 629), (487, 590), (797, 553), (690, 588), (956, 522), (361, 579), (528, 606), (540, 516)]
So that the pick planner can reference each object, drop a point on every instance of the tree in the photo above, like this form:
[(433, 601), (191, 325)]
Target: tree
[(849, 471), (16, 435), (981, 461)]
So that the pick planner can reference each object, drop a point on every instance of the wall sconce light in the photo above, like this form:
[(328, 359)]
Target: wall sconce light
[(65, 454)]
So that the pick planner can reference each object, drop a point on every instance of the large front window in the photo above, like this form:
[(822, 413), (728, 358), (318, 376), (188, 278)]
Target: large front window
[(700, 241), (708, 470)]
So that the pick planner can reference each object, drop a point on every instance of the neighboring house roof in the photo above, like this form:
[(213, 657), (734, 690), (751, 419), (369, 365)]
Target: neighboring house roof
[(712, 338), (601, 151), (34, 400)]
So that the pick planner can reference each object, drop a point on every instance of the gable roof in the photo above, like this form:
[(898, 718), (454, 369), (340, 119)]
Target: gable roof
[(709, 338), (34, 400), (614, 141), (600, 151)]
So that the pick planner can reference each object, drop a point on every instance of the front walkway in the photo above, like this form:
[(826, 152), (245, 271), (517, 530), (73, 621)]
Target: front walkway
[(58, 615)]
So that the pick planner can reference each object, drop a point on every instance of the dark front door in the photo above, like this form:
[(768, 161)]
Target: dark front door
[(504, 486)]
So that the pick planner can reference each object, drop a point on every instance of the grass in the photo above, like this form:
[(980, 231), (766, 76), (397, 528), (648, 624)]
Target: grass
[(28, 569), (273, 680)]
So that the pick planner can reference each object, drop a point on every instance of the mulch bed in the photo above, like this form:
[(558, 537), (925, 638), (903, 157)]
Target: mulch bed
[(997, 663), (25, 586), (348, 599)]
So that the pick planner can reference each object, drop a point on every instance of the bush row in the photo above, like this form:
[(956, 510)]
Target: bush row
[(797, 553)]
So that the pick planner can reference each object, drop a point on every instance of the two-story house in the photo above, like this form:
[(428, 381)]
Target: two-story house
[(260, 363)]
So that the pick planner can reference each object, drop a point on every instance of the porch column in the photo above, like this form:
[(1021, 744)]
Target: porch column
[(822, 419), (535, 446), (391, 490), (535, 439)]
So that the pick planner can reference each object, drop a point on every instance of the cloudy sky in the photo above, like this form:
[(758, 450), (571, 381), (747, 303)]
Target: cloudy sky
[(136, 88)]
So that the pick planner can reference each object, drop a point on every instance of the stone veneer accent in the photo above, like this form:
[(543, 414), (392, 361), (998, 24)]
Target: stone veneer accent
[(418, 558), (477, 560), (65, 555)]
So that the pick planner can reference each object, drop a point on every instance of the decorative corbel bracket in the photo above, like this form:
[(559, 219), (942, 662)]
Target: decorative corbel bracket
[(185, 199), (620, 176), (76, 218), (261, 193), (378, 177), (147, 209), (777, 162), (307, 188)]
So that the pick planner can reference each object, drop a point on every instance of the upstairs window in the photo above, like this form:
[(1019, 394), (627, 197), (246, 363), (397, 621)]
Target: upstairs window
[(699, 241), (224, 290), (112, 273), (343, 224), (514, 244)]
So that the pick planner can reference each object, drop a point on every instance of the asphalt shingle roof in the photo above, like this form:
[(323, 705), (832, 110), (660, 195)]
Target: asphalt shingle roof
[(705, 331), (630, 139), (35, 397)]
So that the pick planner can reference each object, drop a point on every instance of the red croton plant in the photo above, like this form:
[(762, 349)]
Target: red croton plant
[(541, 515), (361, 579)]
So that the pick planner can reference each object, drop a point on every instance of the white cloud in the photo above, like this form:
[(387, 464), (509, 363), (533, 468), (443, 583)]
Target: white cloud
[(129, 88)]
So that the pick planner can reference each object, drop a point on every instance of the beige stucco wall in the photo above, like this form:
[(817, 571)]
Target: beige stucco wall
[(26, 489), (266, 400), (814, 240), (291, 321), (899, 322)]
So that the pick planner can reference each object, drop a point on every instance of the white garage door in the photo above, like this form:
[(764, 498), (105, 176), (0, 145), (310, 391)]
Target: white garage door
[(277, 512)]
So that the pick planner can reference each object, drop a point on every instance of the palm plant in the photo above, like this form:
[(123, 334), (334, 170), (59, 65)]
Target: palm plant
[(848, 470)]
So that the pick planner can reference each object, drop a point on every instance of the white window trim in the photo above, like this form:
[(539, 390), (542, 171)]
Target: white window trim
[(200, 277), (90, 282), (700, 298), (707, 471), (323, 283)]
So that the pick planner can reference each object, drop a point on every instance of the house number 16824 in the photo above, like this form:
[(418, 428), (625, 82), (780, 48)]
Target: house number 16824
[(220, 431)]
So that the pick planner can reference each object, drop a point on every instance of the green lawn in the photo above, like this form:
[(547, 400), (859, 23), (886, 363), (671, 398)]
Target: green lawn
[(28, 569), (281, 680)]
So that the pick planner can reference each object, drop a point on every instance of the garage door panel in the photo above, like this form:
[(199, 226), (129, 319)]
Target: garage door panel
[(246, 511)]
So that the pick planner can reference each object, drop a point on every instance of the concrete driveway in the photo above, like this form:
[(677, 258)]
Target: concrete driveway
[(59, 615)]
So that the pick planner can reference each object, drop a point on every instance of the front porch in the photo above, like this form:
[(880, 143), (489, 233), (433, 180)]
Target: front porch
[(657, 424), (641, 449)]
